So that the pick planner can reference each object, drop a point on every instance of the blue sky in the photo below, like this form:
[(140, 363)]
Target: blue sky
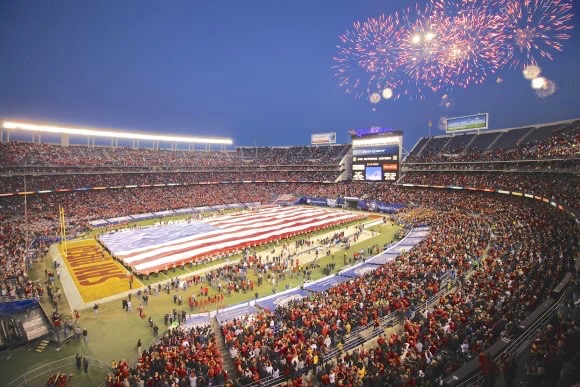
[(257, 71)]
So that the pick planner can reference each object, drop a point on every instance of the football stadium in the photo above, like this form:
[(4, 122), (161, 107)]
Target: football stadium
[(365, 255)]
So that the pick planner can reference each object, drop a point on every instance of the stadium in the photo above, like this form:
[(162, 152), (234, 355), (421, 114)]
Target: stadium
[(369, 252), (482, 255)]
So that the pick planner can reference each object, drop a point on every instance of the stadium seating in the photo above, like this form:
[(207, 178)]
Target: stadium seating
[(551, 141), (507, 252)]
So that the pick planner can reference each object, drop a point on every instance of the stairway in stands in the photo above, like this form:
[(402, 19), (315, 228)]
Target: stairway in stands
[(219, 337), (35, 325)]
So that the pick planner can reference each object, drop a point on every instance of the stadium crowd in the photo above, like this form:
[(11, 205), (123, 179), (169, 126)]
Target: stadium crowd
[(14, 262), (33, 183), (32, 154), (182, 356), (562, 188), (554, 356), (556, 142), (505, 254), (503, 258)]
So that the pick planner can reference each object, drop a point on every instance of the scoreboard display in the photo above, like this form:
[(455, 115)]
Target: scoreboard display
[(376, 156)]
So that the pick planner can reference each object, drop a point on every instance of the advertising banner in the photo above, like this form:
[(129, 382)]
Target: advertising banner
[(372, 205), (323, 138)]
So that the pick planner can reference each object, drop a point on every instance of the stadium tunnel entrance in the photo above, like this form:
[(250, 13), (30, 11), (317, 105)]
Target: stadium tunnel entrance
[(351, 203)]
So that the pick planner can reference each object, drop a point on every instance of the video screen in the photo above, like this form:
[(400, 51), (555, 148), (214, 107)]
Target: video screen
[(373, 173), (376, 157)]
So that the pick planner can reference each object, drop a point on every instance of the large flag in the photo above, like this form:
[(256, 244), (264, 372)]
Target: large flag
[(157, 248)]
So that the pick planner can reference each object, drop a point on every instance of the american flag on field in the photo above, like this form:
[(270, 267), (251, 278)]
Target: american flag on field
[(157, 248)]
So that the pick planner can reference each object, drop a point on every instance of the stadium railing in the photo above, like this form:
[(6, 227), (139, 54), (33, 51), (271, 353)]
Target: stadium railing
[(65, 365), (470, 375)]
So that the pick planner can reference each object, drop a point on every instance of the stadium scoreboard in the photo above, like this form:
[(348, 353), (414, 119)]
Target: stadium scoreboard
[(465, 123), (376, 154)]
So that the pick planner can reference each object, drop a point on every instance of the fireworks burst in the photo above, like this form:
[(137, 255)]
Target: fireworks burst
[(423, 46), (450, 43), (535, 27), (369, 56), (475, 38), (387, 93), (446, 103), (538, 83), (375, 98)]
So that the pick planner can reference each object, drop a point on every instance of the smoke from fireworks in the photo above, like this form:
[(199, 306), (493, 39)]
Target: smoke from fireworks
[(532, 71), (548, 88)]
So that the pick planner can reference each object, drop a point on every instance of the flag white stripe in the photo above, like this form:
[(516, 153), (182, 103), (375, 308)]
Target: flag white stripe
[(243, 220), (269, 233)]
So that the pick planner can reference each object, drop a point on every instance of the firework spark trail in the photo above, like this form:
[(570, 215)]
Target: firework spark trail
[(475, 42), (423, 46)]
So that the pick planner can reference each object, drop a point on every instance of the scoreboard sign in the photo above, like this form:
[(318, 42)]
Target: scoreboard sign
[(323, 138), (376, 157), (460, 124)]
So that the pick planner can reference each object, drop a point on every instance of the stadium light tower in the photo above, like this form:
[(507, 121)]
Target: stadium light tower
[(111, 133)]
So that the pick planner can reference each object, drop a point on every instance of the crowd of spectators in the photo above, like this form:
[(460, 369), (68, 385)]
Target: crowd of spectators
[(296, 155), (561, 187), (554, 356), (33, 183), (183, 356), (562, 143), (14, 262), (32, 154), (556, 166), (503, 256)]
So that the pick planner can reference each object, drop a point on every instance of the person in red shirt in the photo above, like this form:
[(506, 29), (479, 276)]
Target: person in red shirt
[(488, 368)]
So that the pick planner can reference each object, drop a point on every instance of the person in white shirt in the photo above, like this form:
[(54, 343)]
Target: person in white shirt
[(300, 364), (446, 328), (464, 347), (327, 341), (428, 356), (332, 378), (192, 380), (294, 361), (419, 346)]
